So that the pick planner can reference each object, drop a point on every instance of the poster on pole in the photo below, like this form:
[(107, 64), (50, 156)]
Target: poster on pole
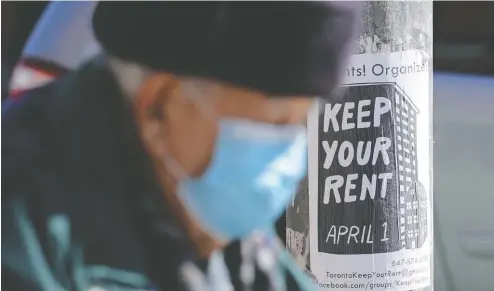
[(370, 203)]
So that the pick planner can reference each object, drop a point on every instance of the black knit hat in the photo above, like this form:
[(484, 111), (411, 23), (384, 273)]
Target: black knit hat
[(275, 47)]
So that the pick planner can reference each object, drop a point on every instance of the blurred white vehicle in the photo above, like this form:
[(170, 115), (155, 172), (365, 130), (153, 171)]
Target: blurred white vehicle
[(61, 40)]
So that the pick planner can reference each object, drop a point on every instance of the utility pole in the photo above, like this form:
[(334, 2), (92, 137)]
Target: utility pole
[(363, 218)]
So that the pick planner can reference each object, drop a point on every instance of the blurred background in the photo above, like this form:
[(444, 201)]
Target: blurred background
[(39, 45)]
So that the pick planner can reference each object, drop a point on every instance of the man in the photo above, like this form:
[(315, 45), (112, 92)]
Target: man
[(138, 169)]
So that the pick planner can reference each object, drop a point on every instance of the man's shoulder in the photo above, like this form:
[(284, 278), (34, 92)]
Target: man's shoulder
[(31, 106), (27, 126), (34, 122), (35, 98)]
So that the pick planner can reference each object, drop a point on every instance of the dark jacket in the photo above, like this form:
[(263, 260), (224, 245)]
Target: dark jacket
[(80, 203)]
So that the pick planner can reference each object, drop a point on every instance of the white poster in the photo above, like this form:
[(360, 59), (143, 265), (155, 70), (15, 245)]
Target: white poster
[(370, 177)]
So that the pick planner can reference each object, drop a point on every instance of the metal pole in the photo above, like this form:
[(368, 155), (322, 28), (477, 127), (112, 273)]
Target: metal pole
[(363, 218)]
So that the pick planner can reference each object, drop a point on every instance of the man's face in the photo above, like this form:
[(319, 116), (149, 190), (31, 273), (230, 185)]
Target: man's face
[(179, 118)]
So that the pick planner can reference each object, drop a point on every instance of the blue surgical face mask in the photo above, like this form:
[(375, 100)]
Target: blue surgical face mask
[(254, 172)]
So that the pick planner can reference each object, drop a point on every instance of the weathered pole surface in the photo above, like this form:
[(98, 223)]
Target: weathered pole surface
[(363, 218)]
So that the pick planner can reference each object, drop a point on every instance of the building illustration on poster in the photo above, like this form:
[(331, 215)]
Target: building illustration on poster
[(412, 196)]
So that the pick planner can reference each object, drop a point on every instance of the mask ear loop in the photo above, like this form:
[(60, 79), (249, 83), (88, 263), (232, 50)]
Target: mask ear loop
[(195, 94), (177, 170)]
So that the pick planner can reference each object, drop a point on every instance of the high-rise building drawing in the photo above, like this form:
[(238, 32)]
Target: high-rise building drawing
[(412, 196)]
